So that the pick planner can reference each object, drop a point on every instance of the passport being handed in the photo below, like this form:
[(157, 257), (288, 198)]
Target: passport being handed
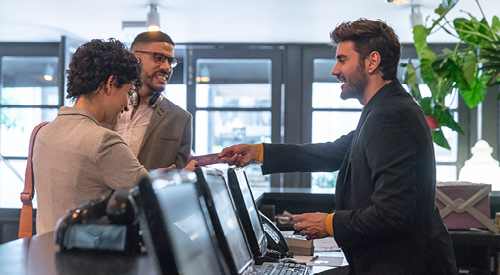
[(205, 159)]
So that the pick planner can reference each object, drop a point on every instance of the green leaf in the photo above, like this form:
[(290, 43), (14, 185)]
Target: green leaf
[(495, 25), (425, 105), (419, 39), (412, 80), (439, 138), (444, 118), (476, 94), (469, 66), (452, 74), (442, 10)]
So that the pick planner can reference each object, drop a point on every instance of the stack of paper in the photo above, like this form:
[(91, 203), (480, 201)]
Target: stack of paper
[(299, 245)]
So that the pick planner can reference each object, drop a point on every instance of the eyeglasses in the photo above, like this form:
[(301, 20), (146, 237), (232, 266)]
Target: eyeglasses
[(161, 58)]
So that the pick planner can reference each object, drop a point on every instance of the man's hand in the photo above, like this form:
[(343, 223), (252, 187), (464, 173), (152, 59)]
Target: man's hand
[(311, 225), (240, 155)]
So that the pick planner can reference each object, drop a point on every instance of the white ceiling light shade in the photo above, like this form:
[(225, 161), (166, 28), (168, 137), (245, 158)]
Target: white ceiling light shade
[(399, 2), (49, 72), (416, 16), (153, 22)]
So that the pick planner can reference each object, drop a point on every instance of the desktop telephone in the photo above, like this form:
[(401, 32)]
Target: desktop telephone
[(275, 239), (108, 223)]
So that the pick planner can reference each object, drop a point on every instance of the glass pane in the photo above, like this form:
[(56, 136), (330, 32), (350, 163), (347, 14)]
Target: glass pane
[(326, 89), (216, 130), (324, 180), (29, 80), (233, 83), (177, 94), (328, 126), (322, 69), (327, 95), (233, 95), (30, 96), (16, 127), (446, 173), (12, 179)]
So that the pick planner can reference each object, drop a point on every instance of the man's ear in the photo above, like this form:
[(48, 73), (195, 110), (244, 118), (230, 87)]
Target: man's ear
[(372, 61)]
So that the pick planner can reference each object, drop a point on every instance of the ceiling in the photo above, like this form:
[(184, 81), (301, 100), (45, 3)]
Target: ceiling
[(214, 21)]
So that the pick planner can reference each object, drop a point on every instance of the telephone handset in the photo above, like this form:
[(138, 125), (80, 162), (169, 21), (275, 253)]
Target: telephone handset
[(275, 239), (108, 223)]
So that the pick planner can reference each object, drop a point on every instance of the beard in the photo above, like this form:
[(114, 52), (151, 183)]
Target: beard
[(147, 82), (354, 87)]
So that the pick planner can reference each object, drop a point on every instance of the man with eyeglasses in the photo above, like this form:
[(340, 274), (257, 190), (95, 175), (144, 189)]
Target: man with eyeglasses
[(157, 131)]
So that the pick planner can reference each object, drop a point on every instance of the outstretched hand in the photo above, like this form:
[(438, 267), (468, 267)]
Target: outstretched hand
[(240, 155), (191, 165), (311, 225)]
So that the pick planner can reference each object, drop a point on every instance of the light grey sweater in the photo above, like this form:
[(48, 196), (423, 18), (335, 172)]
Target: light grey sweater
[(76, 160)]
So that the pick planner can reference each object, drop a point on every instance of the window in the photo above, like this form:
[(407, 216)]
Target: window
[(235, 99), (29, 95)]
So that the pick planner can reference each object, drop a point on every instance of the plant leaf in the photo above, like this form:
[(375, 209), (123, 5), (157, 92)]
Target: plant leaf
[(445, 118), (442, 10), (452, 74), (439, 138), (412, 80), (425, 105), (419, 39), (477, 91), (469, 66)]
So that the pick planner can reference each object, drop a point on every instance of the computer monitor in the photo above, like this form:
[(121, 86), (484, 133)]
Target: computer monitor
[(230, 235), (247, 210), (176, 226)]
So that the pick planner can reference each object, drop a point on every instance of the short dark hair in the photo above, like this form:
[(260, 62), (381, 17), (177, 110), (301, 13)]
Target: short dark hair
[(153, 36), (95, 61), (368, 36)]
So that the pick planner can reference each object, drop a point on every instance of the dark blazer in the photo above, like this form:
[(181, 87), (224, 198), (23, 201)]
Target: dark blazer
[(386, 219), (168, 137)]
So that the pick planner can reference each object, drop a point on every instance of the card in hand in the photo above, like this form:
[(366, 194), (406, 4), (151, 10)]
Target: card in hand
[(205, 159)]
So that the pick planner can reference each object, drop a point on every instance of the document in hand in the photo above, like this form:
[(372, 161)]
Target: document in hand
[(205, 159)]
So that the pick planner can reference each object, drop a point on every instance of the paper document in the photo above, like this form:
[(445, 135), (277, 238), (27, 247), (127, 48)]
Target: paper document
[(325, 244)]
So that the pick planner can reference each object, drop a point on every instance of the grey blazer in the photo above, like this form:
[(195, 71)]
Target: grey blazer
[(168, 138)]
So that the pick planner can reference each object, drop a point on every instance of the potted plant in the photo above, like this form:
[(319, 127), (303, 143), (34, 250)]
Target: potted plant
[(470, 67)]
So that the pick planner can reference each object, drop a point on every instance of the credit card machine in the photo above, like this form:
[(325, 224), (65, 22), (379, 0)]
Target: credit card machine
[(108, 223)]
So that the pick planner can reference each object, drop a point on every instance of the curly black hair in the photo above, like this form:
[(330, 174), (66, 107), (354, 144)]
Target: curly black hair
[(95, 61), (369, 36)]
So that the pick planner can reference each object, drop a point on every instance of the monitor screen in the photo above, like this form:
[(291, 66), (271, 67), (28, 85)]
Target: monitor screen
[(186, 230), (226, 217), (247, 209)]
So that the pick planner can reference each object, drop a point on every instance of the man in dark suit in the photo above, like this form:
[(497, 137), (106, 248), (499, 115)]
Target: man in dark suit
[(157, 131), (386, 218)]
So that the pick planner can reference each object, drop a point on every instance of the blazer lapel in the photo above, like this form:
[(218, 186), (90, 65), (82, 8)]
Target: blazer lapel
[(159, 113)]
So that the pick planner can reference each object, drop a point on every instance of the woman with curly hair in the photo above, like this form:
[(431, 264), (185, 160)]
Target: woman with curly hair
[(74, 158)]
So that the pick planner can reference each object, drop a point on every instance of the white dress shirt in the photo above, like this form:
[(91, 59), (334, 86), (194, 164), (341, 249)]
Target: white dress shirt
[(133, 129)]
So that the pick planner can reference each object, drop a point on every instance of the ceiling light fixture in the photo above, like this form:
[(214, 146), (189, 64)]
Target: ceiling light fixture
[(416, 16), (49, 73), (152, 23), (399, 2)]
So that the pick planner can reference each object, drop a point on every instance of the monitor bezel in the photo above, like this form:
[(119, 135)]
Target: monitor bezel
[(219, 231), (151, 214), (258, 244)]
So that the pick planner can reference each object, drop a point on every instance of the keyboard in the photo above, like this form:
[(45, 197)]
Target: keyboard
[(283, 269)]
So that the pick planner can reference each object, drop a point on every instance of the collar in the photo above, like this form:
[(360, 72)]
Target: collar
[(64, 111)]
